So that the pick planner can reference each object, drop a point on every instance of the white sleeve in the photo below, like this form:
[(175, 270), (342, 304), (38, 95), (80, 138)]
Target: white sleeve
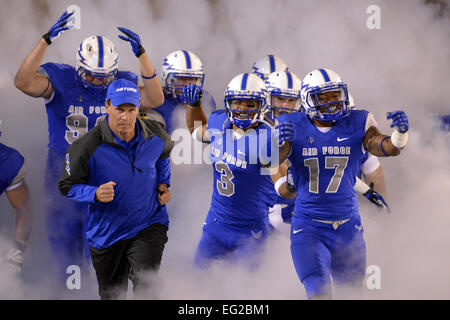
[(370, 121), (371, 164), (18, 180)]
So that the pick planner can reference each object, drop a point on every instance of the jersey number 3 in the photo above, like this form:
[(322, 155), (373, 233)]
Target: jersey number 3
[(225, 186), (337, 163)]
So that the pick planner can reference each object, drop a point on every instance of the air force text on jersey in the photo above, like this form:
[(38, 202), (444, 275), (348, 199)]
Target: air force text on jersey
[(234, 148)]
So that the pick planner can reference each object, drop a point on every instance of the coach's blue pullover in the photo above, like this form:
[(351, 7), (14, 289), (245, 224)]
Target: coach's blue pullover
[(136, 167)]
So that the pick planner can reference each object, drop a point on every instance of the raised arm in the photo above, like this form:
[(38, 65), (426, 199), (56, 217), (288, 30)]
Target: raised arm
[(27, 79), (382, 145), (153, 95), (194, 112)]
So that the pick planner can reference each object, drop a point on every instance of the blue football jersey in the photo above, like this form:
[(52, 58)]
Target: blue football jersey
[(240, 194), (73, 110), (174, 114), (325, 165), (10, 163)]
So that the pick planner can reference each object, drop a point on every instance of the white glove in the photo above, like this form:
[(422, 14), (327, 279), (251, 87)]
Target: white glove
[(14, 257)]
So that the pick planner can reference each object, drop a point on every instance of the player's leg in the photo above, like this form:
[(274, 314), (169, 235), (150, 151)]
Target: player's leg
[(311, 258), (249, 245), (211, 246), (144, 254), (112, 269), (348, 266), (64, 222)]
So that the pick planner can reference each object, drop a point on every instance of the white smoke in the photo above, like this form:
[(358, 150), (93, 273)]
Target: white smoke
[(404, 65)]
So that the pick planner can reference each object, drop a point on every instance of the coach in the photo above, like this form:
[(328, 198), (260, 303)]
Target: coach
[(122, 169)]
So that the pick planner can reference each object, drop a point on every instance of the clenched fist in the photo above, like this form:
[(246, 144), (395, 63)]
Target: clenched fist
[(163, 193), (105, 193)]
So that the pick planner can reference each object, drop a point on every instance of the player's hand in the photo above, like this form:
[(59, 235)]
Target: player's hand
[(133, 39), (284, 131), (399, 120), (58, 28), (105, 193), (192, 94), (163, 193), (14, 257), (376, 198)]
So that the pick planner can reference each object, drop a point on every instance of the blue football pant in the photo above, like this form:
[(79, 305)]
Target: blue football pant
[(65, 221), (220, 241), (320, 251)]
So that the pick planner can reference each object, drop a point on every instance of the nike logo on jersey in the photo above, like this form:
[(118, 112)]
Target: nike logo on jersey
[(256, 235), (297, 231), (359, 228), (341, 139)]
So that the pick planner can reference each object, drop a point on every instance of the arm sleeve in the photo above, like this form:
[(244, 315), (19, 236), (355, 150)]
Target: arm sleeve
[(75, 172), (370, 165), (82, 193), (163, 170), (18, 180)]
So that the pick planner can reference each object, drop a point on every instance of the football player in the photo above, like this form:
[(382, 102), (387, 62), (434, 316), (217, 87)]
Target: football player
[(284, 97), (237, 223), (327, 235), (179, 69), (74, 99), (267, 65), (12, 182)]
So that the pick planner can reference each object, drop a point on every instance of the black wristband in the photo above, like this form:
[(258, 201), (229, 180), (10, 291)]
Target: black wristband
[(196, 104), (140, 51), (47, 38), (290, 188)]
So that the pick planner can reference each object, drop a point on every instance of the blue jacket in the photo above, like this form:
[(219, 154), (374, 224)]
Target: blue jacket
[(97, 158)]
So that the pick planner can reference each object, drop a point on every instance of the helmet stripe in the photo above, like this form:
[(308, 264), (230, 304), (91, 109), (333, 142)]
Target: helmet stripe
[(100, 51), (188, 59), (244, 81), (325, 75), (272, 63), (289, 79)]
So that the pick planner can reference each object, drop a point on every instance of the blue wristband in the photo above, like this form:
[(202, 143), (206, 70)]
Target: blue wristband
[(381, 145), (151, 77)]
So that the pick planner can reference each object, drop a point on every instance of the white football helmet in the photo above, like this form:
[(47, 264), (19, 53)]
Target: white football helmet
[(97, 57), (283, 84), (245, 86), (351, 101), (268, 64), (178, 65), (319, 81)]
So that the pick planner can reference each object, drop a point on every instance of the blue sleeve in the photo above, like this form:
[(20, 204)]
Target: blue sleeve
[(82, 193), (163, 170), (10, 163), (62, 76)]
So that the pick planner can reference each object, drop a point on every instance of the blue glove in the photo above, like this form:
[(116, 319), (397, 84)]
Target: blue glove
[(56, 30), (133, 39), (285, 131), (192, 94), (376, 198), (399, 120)]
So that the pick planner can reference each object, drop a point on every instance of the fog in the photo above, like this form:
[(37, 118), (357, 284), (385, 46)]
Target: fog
[(404, 65)]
